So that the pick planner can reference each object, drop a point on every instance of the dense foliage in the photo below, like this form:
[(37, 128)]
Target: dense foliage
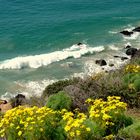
[(45, 123), (57, 86), (59, 101), (93, 108)]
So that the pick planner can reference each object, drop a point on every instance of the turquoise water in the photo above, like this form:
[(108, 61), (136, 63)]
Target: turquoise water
[(35, 27)]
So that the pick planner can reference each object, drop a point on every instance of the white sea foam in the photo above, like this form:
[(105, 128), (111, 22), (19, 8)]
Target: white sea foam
[(114, 48), (134, 36), (36, 61), (129, 28), (81, 75), (92, 68), (128, 44), (29, 89), (113, 32)]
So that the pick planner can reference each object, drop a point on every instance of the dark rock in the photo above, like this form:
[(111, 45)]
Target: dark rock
[(137, 29), (116, 56), (18, 100), (127, 33), (124, 58), (79, 44), (128, 47), (101, 62), (131, 51), (111, 65), (3, 102), (137, 54), (20, 96)]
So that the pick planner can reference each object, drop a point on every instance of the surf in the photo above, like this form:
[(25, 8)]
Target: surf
[(36, 61)]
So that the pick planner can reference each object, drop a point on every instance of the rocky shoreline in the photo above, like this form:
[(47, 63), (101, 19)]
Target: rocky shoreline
[(129, 50)]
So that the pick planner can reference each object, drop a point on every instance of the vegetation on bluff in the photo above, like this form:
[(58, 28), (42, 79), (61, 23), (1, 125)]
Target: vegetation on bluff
[(102, 119), (97, 107)]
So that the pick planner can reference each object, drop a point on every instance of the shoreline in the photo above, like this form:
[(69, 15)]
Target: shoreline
[(115, 58)]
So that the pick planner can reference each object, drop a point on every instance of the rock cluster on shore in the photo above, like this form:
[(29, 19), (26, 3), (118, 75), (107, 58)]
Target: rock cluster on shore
[(130, 51), (129, 33)]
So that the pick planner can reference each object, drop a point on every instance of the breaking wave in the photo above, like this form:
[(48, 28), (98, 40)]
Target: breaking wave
[(36, 61)]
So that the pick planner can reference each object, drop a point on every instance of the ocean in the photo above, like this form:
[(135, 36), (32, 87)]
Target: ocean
[(38, 40)]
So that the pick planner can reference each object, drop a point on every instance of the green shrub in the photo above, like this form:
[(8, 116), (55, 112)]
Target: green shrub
[(59, 101), (127, 78), (131, 132), (120, 121), (96, 132), (133, 79), (57, 86), (137, 84)]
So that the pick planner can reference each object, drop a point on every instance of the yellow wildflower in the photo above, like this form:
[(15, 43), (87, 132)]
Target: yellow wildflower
[(18, 127), (78, 132), (41, 129), (88, 129), (67, 128), (19, 133), (72, 134)]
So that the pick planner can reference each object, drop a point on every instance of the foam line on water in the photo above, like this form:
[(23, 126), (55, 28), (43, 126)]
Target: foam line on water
[(36, 61)]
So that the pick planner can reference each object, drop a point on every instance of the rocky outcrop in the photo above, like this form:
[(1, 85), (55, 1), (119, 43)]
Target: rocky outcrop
[(116, 56), (137, 29), (111, 65), (79, 44), (101, 62), (121, 57), (18, 100), (137, 54), (128, 47), (131, 51), (124, 58), (126, 33)]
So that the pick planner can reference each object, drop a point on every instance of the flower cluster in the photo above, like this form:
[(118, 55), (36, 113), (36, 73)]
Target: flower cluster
[(103, 112), (132, 68), (74, 124), (23, 122), (45, 123)]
